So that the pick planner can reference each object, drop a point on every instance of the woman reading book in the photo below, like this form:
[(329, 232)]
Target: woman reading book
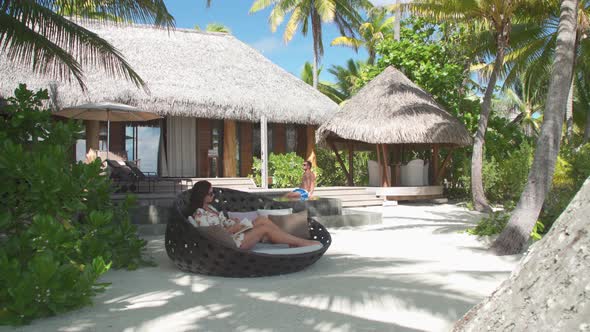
[(244, 234)]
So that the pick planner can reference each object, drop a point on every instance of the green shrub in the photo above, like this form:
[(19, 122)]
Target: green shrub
[(285, 170), (494, 224), (571, 170), (59, 230), (333, 175)]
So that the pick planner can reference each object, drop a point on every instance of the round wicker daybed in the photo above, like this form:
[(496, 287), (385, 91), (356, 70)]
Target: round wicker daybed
[(195, 251)]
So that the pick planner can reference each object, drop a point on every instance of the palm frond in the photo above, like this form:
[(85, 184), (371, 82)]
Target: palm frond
[(84, 46)]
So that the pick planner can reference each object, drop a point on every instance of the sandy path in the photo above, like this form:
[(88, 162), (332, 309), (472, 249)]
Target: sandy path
[(414, 272)]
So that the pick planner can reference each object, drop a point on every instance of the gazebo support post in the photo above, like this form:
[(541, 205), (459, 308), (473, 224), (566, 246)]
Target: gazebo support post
[(386, 177), (340, 161), (264, 151), (435, 161), (350, 164), (379, 163), (443, 168), (396, 170)]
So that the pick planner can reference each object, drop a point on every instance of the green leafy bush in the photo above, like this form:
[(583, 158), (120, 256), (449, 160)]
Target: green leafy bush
[(333, 175), (571, 170), (285, 170), (494, 224), (59, 230)]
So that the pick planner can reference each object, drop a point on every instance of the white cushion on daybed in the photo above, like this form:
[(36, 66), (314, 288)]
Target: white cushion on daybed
[(280, 249)]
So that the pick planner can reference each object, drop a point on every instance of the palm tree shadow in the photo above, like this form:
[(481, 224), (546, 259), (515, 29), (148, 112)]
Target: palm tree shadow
[(339, 292)]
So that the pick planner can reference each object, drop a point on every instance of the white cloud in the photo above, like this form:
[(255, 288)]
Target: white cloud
[(267, 45)]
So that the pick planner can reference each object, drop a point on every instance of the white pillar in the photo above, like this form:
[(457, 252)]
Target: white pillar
[(264, 151)]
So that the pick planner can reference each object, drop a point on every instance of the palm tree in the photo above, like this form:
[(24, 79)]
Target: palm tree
[(214, 27), (343, 12), (523, 100), (534, 50), (34, 34), (323, 87), (519, 227), (347, 76), (498, 16), (371, 32)]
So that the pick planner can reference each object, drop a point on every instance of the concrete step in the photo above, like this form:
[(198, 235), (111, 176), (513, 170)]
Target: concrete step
[(362, 203), (345, 198)]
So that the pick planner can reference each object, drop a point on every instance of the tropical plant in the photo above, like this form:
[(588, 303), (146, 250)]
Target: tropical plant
[(346, 77), (523, 104), (34, 34), (326, 88), (498, 15), (59, 230), (523, 219), (214, 27), (377, 27), (342, 12), (284, 169), (434, 66)]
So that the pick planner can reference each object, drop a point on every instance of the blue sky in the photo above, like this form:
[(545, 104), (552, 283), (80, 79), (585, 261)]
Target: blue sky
[(254, 30)]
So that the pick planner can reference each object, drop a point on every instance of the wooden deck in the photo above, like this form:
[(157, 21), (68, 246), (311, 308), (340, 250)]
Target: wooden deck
[(163, 192)]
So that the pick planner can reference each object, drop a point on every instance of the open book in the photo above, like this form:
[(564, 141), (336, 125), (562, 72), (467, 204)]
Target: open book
[(246, 225)]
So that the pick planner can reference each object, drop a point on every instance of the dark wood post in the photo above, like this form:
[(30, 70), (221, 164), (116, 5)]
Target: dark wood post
[(435, 161), (350, 164)]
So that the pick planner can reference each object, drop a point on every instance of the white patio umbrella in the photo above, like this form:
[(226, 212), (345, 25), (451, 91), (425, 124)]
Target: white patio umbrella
[(106, 111)]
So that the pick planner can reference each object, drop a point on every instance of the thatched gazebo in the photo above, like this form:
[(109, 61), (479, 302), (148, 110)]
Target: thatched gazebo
[(393, 114), (203, 83)]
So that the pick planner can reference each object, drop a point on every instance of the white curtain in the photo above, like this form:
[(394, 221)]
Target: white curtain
[(181, 146)]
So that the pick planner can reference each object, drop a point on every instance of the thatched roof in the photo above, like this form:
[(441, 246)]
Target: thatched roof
[(188, 73), (391, 109)]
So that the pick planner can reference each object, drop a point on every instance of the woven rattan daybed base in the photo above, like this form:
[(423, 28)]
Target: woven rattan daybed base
[(196, 252)]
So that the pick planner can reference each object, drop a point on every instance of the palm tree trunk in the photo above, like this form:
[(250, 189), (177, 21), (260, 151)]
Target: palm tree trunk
[(315, 25), (569, 114), (480, 203), (515, 235)]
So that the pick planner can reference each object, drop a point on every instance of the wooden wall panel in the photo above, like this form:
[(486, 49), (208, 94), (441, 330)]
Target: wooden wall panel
[(310, 154), (117, 142), (229, 148), (203, 146), (279, 137), (301, 141), (246, 152)]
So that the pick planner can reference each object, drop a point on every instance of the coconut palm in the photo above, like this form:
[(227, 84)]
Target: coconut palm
[(534, 50), (524, 103), (517, 232), (324, 87), (498, 16), (34, 34), (346, 76), (371, 32), (315, 12)]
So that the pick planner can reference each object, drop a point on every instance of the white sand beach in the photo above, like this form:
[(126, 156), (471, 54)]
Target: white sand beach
[(413, 272)]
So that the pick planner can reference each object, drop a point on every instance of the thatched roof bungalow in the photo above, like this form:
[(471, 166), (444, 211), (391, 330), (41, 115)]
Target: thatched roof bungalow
[(202, 75), (393, 112)]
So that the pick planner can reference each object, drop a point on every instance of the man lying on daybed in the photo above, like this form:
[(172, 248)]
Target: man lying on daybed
[(258, 230)]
